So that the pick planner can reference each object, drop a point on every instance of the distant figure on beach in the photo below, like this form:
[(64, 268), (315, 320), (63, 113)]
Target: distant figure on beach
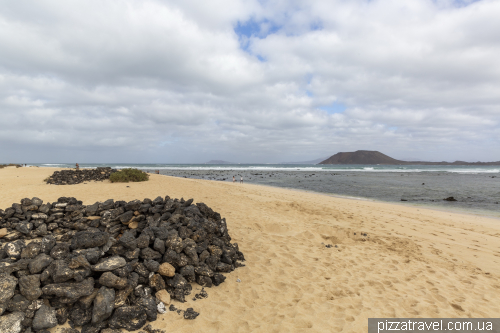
[(241, 180), (77, 166), (234, 179)]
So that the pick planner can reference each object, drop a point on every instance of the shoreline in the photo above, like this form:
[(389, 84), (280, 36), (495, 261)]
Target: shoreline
[(458, 210), (386, 260)]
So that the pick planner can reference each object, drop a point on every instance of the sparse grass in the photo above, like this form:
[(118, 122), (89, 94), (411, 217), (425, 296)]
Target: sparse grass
[(128, 175), (8, 165)]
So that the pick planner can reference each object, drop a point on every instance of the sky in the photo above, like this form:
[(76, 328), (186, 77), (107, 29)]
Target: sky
[(153, 81)]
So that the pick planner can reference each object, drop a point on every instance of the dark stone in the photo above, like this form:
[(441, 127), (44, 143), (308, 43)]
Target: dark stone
[(18, 303), (128, 317), (152, 265), (450, 199), (11, 323), (24, 227), (109, 264), (150, 254), (156, 281), (89, 239), (13, 249), (204, 281), (103, 305), (94, 328), (70, 290), (31, 250), (80, 315), (60, 251), (159, 245), (62, 315), (218, 279), (188, 273), (108, 279), (190, 314), (133, 205), (45, 318), (126, 217), (128, 240), (149, 305), (7, 286), (29, 286), (122, 295)]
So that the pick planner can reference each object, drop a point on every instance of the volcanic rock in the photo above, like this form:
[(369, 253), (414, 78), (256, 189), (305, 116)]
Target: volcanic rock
[(11, 323), (128, 317), (103, 305), (45, 317)]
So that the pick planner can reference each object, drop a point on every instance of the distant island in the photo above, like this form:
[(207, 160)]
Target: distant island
[(219, 162), (375, 157)]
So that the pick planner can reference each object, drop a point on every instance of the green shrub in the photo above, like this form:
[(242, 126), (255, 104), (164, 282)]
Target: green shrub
[(128, 175)]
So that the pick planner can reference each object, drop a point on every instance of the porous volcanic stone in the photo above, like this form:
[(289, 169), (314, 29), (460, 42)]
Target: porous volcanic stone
[(45, 318), (11, 323), (7, 286), (29, 286), (103, 305), (128, 317), (87, 239), (110, 264)]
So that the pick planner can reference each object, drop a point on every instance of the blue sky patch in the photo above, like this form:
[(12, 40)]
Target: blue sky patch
[(253, 28), (334, 108)]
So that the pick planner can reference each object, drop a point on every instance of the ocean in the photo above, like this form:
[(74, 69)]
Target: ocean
[(476, 189)]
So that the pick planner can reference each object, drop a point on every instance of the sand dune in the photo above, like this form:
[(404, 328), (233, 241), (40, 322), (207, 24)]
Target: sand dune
[(413, 262)]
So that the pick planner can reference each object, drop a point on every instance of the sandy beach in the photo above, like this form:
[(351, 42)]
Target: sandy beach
[(413, 262)]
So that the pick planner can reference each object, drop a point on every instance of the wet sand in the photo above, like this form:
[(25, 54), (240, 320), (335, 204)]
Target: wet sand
[(413, 262)]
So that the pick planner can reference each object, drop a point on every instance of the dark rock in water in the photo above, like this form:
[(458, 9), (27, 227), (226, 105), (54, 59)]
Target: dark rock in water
[(86, 239), (11, 323), (128, 317), (103, 305), (7, 286), (110, 264), (44, 318), (450, 199), (79, 315), (29, 286), (190, 314)]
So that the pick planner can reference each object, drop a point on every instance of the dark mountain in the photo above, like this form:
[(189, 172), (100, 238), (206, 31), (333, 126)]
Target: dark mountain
[(362, 157), (375, 157)]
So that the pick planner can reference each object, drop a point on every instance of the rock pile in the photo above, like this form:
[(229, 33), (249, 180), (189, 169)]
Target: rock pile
[(109, 265), (71, 177)]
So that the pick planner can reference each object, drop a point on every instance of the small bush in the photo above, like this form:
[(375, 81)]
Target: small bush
[(128, 175)]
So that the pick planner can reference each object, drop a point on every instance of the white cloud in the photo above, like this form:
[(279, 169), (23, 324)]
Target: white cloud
[(168, 81)]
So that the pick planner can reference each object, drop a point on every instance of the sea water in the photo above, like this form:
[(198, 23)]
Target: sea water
[(476, 188)]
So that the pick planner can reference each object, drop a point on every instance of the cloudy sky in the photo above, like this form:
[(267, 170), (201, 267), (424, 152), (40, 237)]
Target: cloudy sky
[(248, 81)]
